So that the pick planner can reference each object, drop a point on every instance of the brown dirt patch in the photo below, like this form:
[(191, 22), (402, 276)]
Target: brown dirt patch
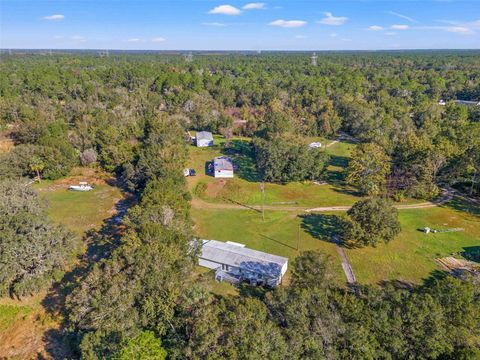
[(214, 187), (31, 336), (6, 145)]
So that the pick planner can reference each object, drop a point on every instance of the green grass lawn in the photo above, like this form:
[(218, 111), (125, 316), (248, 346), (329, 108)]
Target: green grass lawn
[(277, 235), (79, 211), (245, 187), (411, 255)]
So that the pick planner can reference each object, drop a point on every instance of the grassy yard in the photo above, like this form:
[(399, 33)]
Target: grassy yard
[(79, 211), (278, 234), (411, 255), (245, 187)]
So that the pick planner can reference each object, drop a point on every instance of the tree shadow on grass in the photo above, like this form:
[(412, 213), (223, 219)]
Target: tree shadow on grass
[(471, 253), (463, 204), (100, 245), (339, 161), (242, 154), (336, 176), (323, 227)]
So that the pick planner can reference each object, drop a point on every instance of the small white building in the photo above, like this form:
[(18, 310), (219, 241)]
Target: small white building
[(315, 145), (204, 139), (222, 167), (442, 102), (235, 263)]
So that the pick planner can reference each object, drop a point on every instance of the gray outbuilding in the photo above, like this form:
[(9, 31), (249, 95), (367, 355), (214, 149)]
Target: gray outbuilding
[(204, 139)]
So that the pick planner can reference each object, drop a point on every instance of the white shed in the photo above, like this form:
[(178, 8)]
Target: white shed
[(204, 139), (222, 167), (236, 263)]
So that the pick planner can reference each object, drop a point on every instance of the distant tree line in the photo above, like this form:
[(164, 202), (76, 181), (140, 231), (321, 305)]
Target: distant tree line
[(66, 109)]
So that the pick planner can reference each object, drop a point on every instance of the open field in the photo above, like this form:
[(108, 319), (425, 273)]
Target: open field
[(411, 256), (217, 212), (278, 234), (79, 211), (245, 187)]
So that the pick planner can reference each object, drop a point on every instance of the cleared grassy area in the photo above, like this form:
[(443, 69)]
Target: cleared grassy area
[(79, 211), (245, 187), (410, 257), (278, 234)]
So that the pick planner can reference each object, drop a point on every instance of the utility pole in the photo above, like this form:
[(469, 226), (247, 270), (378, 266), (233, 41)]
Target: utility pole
[(298, 238), (262, 189)]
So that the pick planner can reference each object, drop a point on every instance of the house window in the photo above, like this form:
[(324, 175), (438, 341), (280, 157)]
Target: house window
[(225, 267)]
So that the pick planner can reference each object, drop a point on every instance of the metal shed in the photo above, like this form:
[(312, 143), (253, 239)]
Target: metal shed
[(222, 167), (204, 139), (235, 263)]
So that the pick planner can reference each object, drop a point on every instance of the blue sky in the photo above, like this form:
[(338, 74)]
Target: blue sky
[(240, 25)]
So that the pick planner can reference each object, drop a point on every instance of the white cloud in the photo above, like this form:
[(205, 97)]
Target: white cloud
[(375, 28), (458, 29), (254, 6), (288, 23), (217, 24), (333, 35), (390, 33), (55, 17), (300, 37), (158, 39), (58, 37), (329, 19), (401, 16), (400, 27), (134, 40), (225, 10), (78, 38)]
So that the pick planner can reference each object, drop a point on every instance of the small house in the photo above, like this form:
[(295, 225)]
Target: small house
[(222, 167), (315, 145), (204, 139), (233, 262)]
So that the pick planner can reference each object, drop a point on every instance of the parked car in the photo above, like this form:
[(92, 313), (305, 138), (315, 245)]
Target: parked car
[(189, 172)]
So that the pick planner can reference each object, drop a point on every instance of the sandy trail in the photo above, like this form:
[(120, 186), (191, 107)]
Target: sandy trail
[(447, 195)]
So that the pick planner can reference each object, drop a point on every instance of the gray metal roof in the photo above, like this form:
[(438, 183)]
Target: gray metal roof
[(243, 258), (222, 163), (204, 135)]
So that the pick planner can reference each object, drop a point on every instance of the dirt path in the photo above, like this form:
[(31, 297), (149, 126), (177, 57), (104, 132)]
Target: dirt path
[(447, 195), (347, 268)]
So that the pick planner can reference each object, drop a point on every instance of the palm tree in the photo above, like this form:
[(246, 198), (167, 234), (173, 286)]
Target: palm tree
[(37, 166)]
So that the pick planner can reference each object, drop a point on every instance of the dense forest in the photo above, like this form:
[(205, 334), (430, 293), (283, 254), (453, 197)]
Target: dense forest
[(128, 114)]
